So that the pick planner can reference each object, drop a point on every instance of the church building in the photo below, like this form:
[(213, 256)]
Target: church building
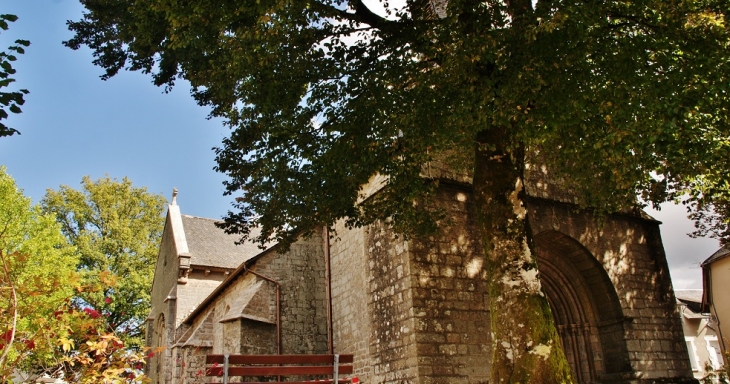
[(417, 310)]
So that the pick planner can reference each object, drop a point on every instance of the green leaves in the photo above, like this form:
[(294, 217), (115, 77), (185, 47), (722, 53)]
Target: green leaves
[(116, 229), (36, 267), (322, 96), (14, 99)]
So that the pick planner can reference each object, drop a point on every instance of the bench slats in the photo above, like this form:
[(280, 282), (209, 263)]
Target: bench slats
[(277, 359), (280, 365), (279, 371), (283, 371), (322, 381)]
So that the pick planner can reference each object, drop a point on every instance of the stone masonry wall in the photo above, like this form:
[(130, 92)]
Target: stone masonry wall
[(450, 298), (165, 279), (301, 273), (630, 251), (199, 285), (256, 340), (426, 317), (394, 356), (191, 363), (350, 294)]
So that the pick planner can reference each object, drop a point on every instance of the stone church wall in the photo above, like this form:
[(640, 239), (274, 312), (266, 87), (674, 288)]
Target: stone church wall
[(427, 314), (350, 296), (630, 251), (221, 328), (426, 318), (393, 341), (160, 321), (451, 300), (301, 273), (417, 310)]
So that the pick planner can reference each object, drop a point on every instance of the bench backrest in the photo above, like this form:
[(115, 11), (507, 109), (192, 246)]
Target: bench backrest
[(278, 365)]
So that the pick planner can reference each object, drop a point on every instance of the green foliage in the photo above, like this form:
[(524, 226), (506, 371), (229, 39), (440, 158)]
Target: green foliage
[(91, 355), (626, 98), (36, 281), (10, 101), (618, 98), (116, 229), (711, 219)]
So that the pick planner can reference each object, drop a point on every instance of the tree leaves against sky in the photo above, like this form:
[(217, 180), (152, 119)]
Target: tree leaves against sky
[(38, 269), (11, 101), (618, 99), (627, 98), (116, 229)]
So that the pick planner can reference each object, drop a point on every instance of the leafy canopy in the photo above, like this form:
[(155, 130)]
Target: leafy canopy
[(36, 281), (42, 329), (116, 229), (626, 98)]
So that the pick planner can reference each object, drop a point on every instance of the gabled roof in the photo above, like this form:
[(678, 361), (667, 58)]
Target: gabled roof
[(248, 305), (243, 268), (210, 246), (689, 295), (720, 254), (692, 300)]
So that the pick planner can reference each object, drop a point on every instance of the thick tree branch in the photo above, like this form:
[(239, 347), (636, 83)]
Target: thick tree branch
[(362, 14)]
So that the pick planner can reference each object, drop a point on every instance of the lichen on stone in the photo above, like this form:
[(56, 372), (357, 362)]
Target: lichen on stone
[(541, 350)]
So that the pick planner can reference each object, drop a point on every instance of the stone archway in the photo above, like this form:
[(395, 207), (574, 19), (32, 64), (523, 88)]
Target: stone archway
[(161, 330), (586, 308)]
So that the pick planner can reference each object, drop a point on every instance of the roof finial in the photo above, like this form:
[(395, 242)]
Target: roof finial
[(174, 196)]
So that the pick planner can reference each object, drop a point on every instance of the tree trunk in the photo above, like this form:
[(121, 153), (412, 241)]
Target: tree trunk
[(526, 346)]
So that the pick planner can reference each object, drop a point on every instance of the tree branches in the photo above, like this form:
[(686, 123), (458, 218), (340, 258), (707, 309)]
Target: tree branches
[(14, 99)]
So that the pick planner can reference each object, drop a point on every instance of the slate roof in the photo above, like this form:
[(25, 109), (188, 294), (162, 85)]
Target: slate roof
[(689, 295), (720, 254), (210, 246), (692, 299)]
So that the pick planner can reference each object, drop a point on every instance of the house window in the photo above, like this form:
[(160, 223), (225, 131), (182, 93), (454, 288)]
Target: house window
[(693, 359), (713, 350)]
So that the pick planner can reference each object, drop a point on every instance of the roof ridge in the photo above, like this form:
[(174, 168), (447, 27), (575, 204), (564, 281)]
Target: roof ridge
[(200, 217), (721, 253)]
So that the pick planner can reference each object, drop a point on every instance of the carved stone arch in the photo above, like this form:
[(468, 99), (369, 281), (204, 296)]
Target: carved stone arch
[(161, 342), (585, 306)]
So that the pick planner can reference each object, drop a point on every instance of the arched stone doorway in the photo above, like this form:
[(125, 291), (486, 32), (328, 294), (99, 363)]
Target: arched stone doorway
[(586, 308), (161, 330)]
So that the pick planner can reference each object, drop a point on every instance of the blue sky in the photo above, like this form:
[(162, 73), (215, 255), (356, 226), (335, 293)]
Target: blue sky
[(74, 124)]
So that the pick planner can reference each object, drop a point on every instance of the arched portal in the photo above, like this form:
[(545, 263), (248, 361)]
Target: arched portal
[(586, 308), (161, 329)]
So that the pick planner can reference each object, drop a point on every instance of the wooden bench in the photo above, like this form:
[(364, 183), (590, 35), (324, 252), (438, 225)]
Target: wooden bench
[(276, 366)]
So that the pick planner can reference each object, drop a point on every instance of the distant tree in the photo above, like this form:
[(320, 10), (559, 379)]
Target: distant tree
[(116, 229), (617, 99), (14, 99), (37, 270)]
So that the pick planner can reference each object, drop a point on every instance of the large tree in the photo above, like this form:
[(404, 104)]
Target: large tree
[(616, 98), (42, 330), (36, 280), (116, 229)]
